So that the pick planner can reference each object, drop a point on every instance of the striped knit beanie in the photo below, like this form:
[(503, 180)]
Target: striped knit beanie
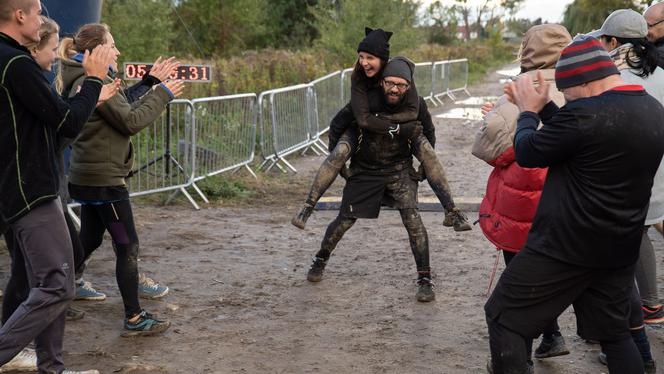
[(583, 61)]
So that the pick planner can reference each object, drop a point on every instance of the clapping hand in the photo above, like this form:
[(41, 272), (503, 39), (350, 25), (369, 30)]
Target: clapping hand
[(526, 96), (162, 69), (108, 91)]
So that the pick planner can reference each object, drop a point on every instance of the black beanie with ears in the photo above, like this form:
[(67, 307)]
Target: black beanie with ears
[(376, 43)]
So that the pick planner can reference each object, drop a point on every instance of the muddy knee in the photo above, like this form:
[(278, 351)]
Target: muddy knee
[(339, 155)]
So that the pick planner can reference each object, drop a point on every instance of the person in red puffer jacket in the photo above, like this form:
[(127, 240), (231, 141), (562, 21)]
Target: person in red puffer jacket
[(513, 192)]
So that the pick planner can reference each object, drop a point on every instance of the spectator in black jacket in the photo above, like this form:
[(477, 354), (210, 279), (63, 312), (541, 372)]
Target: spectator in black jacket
[(602, 150), (31, 116)]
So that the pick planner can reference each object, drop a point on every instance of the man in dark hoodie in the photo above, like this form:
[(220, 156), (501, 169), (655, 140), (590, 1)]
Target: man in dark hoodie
[(655, 18), (381, 172), (31, 115)]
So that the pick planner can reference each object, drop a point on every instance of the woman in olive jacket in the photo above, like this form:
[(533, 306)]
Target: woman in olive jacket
[(102, 157)]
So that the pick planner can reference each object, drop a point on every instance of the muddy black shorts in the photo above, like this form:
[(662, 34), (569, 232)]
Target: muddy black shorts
[(364, 194), (535, 289)]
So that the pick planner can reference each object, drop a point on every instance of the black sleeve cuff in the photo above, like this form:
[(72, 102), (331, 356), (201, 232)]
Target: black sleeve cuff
[(95, 79), (150, 80), (548, 111)]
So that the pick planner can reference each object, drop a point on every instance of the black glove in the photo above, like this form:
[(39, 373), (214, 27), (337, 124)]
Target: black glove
[(344, 172), (410, 130)]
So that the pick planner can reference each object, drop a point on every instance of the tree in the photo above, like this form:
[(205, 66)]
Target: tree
[(341, 24), (221, 28), (290, 23), (442, 22), (133, 36), (583, 16)]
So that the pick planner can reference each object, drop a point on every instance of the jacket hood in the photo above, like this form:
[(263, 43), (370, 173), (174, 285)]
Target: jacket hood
[(71, 71), (542, 45)]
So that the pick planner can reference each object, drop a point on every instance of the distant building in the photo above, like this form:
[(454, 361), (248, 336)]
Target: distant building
[(461, 33)]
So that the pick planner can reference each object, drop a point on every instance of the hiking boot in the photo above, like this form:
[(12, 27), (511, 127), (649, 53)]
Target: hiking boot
[(455, 218), (149, 289), (26, 360), (80, 371), (85, 291), (551, 346), (315, 273), (73, 314), (146, 325), (653, 314), (300, 220), (425, 290), (530, 367), (649, 367)]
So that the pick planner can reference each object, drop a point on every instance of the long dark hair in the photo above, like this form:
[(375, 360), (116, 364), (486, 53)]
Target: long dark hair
[(646, 53)]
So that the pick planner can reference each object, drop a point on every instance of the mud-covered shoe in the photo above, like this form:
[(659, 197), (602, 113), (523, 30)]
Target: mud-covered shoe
[(73, 314), (457, 219), (85, 291), (551, 346), (425, 290), (146, 325), (300, 219), (315, 273), (149, 289), (653, 314), (26, 360)]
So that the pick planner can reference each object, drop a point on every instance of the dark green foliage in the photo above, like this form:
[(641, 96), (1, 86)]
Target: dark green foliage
[(583, 16)]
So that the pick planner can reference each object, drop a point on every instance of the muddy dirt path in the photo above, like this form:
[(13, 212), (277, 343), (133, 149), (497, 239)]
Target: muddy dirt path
[(239, 301)]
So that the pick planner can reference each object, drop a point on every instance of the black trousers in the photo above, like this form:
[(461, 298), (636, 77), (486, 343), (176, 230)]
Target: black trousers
[(118, 219)]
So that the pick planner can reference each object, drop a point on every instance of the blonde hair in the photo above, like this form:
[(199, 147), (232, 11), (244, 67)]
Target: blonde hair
[(86, 39), (47, 29)]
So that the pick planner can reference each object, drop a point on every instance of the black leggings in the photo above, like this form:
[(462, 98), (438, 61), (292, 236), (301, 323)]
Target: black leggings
[(417, 234), (17, 287), (118, 219)]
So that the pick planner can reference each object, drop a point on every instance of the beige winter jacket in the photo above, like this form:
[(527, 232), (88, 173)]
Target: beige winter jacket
[(497, 132), (540, 50)]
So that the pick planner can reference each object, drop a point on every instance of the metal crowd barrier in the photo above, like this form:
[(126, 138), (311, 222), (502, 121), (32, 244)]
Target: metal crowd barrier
[(290, 117), (440, 84), (458, 77), (328, 100), (345, 85), (423, 77), (225, 134), (193, 140), (163, 154)]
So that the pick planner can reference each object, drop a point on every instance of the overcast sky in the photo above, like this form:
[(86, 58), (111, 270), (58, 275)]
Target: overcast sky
[(548, 10)]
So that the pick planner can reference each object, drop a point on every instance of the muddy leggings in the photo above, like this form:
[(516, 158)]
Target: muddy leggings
[(417, 234), (347, 145), (116, 218)]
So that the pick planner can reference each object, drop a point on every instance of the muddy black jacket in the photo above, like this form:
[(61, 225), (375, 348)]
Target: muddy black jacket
[(602, 153), (31, 115), (344, 119)]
